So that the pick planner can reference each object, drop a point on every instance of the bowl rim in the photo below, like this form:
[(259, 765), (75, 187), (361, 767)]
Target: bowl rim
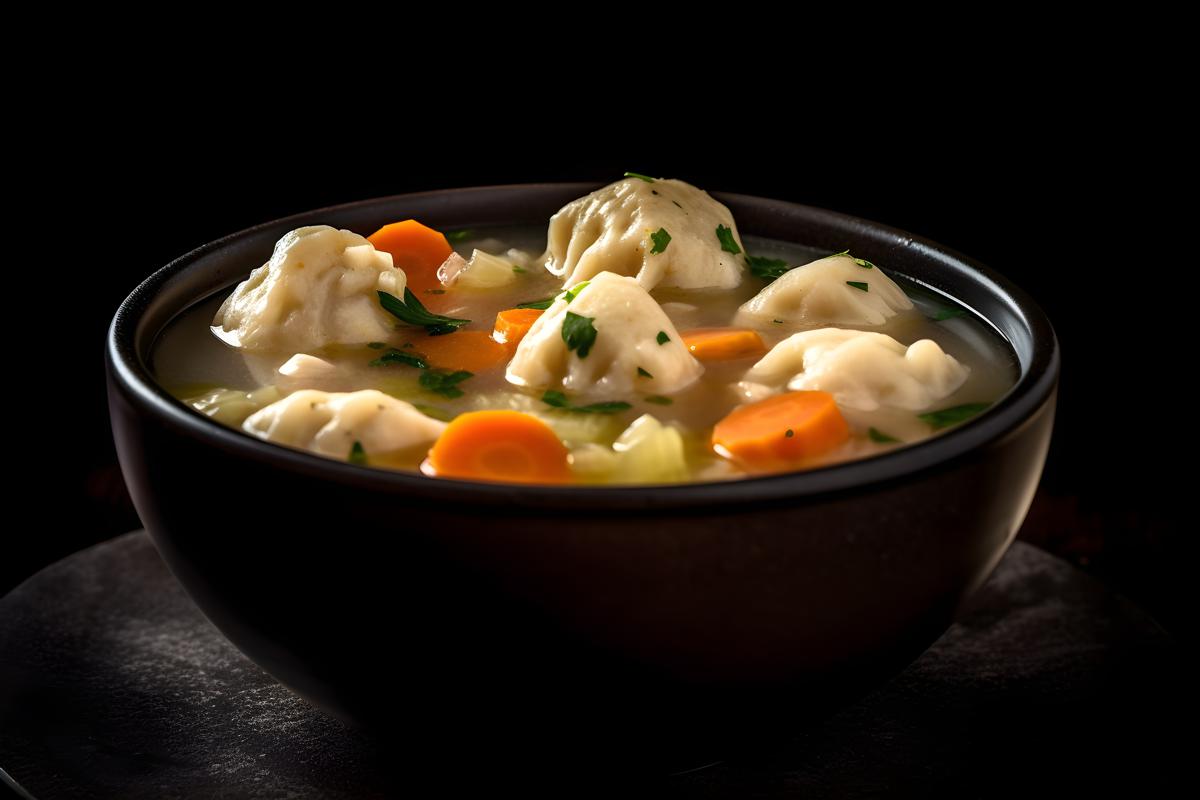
[(1035, 385)]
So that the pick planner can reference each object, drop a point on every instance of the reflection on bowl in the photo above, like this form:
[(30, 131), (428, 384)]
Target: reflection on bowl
[(450, 610)]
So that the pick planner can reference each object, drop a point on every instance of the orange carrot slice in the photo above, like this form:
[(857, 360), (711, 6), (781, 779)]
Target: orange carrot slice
[(418, 250), (722, 344), (781, 432), (512, 324), (474, 351), (499, 446)]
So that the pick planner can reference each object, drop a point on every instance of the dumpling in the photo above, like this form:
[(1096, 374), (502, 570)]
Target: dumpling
[(834, 290), (610, 230), (862, 370), (318, 288), (330, 424), (635, 348)]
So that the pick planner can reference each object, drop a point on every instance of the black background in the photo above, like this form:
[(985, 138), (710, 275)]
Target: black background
[(1044, 186)]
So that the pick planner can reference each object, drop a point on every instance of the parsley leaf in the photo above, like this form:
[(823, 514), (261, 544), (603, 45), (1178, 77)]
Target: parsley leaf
[(767, 268), (659, 400), (579, 333), (573, 292), (410, 311), (454, 237), (952, 416), (395, 356), (643, 374), (725, 235), (662, 337), (862, 262), (357, 454), (879, 437), (639, 176), (661, 240), (860, 285), (444, 382), (540, 305), (559, 400)]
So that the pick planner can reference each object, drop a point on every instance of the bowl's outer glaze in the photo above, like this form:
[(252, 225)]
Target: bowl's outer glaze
[(444, 607)]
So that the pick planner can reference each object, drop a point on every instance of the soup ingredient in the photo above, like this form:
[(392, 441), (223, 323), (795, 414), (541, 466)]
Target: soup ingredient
[(664, 233), (411, 311), (444, 382), (559, 400), (415, 248), (231, 406), (646, 452), (781, 432), (832, 290), (723, 344), (499, 446), (952, 416), (512, 324), (483, 271), (319, 287), (602, 356), (474, 351), (328, 423), (863, 370)]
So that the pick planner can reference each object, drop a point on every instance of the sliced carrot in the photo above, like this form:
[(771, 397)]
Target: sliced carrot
[(721, 344), (418, 250), (512, 324), (781, 432), (474, 351), (499, 446)]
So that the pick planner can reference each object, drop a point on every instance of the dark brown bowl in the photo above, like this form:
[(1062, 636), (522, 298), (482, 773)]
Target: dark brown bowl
[(465, 614)]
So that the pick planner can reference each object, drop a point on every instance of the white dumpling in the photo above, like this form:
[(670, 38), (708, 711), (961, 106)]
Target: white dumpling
[(320, 287), (609, 231), (862, 370), (628, 323), (821, 293), (330, 423)]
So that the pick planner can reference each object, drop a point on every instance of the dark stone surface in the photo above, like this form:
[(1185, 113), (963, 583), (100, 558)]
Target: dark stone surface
[(112, 684)]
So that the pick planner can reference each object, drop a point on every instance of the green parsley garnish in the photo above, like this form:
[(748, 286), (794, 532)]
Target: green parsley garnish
[(394, 356), (578, 333), (559, 400), (952, 416), (661, 240), (454, 237), (862, 262), (540, 305), (860, 285), (639, 176), (643, 374), (410, 311), (376, 345), (658, 400), (777, 321), (880, 437), (519, 270), (434, 412), (767, 268), (444, 382), (676, 202), (357, 454), (573, 292), (662, 337), (725, 235)]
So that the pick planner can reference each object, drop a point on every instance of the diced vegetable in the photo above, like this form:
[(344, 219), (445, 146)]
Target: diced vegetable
[(484, 271), (723, 344), (500, 446), (650, 452), (417, 249), (473, 351), (232, 406), (781, 432), (512, 324)]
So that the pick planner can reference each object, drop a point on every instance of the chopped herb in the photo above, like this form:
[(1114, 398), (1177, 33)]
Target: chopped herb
[(777, 321), (410, 311), (444, 382), (676, 202), (952, 416), (376, 345), (357, 454), (434, 412), (579, 333), (540, 305), (662, 337), (394, 356), (860, 285), (659, 400), (654, 191), (643, 374), (454, 237), (639, 176), (661, 240), (943, 314), (573, 292), (789, 433), (767, 268), (559, 400), (862, 262), (519, 270), (880, 437), (725, 235)]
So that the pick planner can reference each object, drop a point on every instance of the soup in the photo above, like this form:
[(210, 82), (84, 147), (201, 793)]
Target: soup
[(640, 339)]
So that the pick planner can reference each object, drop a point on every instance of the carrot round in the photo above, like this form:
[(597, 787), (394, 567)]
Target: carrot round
[(499, 446), (781, 432), (418, 250), (512, 324), (721, 344), (474, 351)]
